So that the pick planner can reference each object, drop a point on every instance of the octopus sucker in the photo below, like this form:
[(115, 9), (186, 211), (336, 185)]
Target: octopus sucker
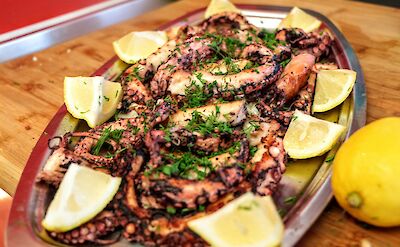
[(201, 122), (59, 161), (95, 231)]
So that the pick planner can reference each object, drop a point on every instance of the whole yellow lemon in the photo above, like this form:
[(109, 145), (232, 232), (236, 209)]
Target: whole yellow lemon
[(366, 173)]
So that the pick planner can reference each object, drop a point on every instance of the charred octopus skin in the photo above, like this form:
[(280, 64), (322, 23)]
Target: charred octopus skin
[(201, 122), (314, 43)]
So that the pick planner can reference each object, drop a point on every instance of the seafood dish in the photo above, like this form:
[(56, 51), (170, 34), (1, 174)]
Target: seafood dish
[(200, 123)]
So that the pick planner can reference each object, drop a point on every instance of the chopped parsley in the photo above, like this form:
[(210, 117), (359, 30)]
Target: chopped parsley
[(253, 150), (186, 165), (208, 125), (253, 126), (135, 74), (171, 210), (269, 39), (170, 67), (231, 150), (249, 206), (330, 159), (105, 136), (285, 62), (186, 211), (83, 112), (290, 200), (231, 67), (198, 92)]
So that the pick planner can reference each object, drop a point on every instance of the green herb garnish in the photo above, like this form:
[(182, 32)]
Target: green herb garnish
[(290, 200), (186, 165), (171, 210), (208, 125), (105, 136), (330, 159)]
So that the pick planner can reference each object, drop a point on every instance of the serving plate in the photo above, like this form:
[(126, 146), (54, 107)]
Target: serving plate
[(304, 190)]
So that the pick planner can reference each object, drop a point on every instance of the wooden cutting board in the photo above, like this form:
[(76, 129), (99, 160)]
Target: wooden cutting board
[(31, 92)]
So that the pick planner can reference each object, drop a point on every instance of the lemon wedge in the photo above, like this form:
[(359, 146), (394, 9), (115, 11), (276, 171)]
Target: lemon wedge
[(308, 136), (83, 193), (139, 45), (219, 6), (297, 18), (246, 221), (93, 99), (333, 87)]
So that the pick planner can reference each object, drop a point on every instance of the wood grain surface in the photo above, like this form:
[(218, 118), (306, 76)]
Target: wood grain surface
[(31, 91)]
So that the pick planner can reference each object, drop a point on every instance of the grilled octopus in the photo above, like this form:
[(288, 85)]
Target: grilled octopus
[(187, 142), (317, 44)]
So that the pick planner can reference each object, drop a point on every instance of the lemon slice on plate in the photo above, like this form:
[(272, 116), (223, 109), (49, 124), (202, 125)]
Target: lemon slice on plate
[(333, 87), (219, 6), (139, 45), (308, 136), (297, 18), (93, 99), (83, 193), (246, 221)]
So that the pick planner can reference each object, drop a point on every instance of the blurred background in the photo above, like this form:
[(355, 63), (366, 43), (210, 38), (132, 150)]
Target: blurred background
[(30, 26)]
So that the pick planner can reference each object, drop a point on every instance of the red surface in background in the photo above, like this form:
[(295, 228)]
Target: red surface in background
[(15, 14), (5, 206)]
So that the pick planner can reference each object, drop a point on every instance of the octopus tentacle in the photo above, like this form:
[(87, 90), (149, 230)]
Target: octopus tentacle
[(302, 102), (193, 49), (84, 147), (131, 199), (294, 77), (228, 24), (185, 193), (59, 161), (316, 44), (93, 231), (245, 82), (269, 161)]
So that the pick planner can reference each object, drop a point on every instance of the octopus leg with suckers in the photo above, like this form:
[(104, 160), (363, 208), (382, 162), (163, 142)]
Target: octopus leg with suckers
[(92, 232), (245, 82), (186, 193), (295, 79), (59, 161), (315, 43), (228, 24), (183, 58), (269, 165)]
